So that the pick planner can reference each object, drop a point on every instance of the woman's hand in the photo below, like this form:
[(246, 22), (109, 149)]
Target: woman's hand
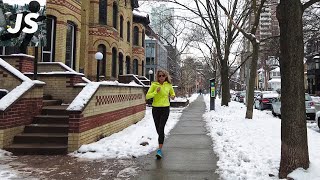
[(172, 97), (158, 89)]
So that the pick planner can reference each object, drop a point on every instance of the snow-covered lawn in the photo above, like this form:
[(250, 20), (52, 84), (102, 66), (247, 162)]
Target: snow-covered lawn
[(126, 143), (6, 172), (250, 149)]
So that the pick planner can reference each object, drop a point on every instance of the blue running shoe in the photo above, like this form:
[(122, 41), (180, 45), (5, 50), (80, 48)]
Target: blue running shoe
[(159, 154)]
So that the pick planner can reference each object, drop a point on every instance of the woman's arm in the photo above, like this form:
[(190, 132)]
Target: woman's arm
[(172, 93), (151, 92)]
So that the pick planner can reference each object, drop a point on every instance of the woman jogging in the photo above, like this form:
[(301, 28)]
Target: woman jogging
[(160, 91)]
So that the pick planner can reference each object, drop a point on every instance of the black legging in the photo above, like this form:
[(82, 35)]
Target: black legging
[(160, 117)]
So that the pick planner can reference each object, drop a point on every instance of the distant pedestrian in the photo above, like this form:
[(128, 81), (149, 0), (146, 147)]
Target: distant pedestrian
[(200, 91), (160, 91)]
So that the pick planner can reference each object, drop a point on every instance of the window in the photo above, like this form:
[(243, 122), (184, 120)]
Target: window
[(128, 64), (142, 68), (115, 15), (103, 63), (136, 36), (70, 45), (147, 61), (143, 37), (128, 31), (121, 26), (48, 50), (125, 2), (114, 62), (120, 64), (7, 50), (135, 67), (103, 12)]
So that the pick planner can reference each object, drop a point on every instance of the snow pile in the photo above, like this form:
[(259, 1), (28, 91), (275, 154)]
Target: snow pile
[(193, 97), (17, 92), (250, 149), (83, 97), (88, 91), (126, 143), (179, 99), (6, 172)]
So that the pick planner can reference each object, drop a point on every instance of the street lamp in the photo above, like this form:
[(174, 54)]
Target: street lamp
[(150, 73), (99, 57)]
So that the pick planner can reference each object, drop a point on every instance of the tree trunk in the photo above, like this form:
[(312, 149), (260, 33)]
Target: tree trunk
[(252, 79), (294, 142), (225, 83)]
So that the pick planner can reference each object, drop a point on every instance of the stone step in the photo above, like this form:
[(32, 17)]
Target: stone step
[(40, 138), (51, 119), (38, 149), (47, 97), (47, 128), (55, 110), (52, 102)]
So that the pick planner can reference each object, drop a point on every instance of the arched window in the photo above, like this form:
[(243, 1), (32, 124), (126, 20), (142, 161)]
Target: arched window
[(142, 68), (115, 15), (136, 36), (120, 64), (135, 67), (143, 37), (71, 45), (48, 51), (103, 63), (128, 31), (102, 11), (121, 26), (114, 62), (128, 65)]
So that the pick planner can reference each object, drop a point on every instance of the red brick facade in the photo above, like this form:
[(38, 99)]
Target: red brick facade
[(73, 80), (20, 113), (21, 62), (78, 124)]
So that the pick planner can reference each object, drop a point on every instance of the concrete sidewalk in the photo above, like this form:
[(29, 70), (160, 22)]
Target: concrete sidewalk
[(187, 151)]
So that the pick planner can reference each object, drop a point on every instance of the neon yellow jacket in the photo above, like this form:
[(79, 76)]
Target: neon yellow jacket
[(160, 99)]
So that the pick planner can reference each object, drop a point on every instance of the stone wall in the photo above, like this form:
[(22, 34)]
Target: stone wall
[(110, 110), (19, 114)]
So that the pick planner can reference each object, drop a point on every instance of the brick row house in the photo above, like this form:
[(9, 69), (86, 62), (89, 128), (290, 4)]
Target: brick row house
[(63, 109), (77, 29)]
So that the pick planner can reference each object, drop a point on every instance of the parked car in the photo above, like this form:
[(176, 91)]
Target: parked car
[(316, 100), (310, 109), (265, 99), (318, 118), (240, 96), (233, 95)]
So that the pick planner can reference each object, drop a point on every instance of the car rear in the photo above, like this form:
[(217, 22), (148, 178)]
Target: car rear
[(267, 99), (310, 108)]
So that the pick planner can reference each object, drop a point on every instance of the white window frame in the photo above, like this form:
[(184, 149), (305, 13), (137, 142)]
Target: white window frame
[(52, 42)]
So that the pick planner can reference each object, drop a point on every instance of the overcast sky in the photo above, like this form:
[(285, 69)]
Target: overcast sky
[(23, 2)]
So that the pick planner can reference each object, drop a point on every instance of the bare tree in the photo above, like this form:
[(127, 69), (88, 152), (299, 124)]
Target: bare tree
[(256, 9), (188, 75), (294, 142), (208, 16), (311, 23)]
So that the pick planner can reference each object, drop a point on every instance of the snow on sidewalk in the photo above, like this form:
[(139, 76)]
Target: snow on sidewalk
[(126, 143), (6, 172), (250, 149)]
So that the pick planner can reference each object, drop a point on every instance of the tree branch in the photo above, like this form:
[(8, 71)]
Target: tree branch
[(308, 4)]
